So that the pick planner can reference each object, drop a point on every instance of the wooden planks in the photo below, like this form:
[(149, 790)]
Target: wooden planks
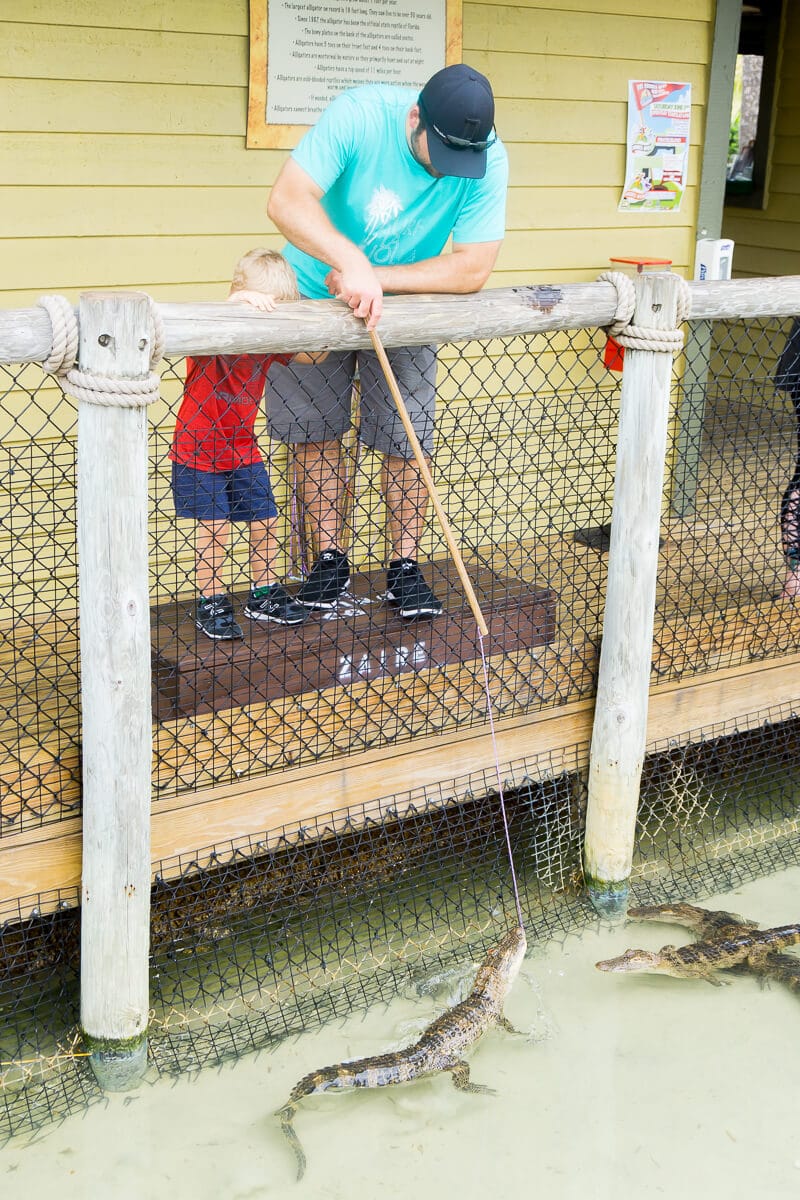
[(196, 751), (166, 211), (117, 161), (38, 684), (43, 859), (163, 211), (125, 55), (691, 10), (201, 16), (711, 641), (365, 641), (573, 208), (531, 75), (587, 34), (143, 105), (39, 782)]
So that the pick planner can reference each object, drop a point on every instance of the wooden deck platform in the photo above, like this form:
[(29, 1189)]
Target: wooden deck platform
[(363, 639), (724, 645), (186, 828)]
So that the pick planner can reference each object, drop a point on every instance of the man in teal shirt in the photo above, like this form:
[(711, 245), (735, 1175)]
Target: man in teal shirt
[(368, 202)]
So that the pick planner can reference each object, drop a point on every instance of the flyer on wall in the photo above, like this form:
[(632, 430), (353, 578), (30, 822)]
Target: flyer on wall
[(658, 146)]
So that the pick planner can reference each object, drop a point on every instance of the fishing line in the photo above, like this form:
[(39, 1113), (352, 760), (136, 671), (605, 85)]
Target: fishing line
[(501, 793), (483, 628)]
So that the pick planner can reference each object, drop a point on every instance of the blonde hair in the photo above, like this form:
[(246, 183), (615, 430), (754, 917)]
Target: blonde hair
[(265, 271)]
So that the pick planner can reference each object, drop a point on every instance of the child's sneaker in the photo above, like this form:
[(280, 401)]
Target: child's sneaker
[(407, 590), (328, 579), (273, 603), (214, 616)]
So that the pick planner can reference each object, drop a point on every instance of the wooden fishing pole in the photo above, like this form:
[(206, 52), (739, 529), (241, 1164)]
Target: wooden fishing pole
[(419, 455)]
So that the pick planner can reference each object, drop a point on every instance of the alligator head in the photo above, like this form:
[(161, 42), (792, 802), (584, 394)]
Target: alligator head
[(633, 960), (503, 961)]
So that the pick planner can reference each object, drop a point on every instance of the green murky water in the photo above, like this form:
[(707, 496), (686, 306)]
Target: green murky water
[(622, 1086)]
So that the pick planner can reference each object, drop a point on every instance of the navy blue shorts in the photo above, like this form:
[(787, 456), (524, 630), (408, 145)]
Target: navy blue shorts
[(244, 494)]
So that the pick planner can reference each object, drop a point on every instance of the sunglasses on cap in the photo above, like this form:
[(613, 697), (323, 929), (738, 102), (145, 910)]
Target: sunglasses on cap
[(457, 143)]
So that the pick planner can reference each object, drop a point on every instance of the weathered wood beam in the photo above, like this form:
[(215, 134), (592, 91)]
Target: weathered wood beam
[(211, 328)]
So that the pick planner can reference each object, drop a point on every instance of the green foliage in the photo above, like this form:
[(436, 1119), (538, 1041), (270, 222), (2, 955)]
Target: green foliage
[(733, 137)]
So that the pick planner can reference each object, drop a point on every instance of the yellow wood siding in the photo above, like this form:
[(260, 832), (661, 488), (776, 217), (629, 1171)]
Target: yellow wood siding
[(768, 239), (123, 163)]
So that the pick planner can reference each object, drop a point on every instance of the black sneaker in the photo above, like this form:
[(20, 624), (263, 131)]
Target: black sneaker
[(214, 616), (328, 578), (273, 603), (407, 590)]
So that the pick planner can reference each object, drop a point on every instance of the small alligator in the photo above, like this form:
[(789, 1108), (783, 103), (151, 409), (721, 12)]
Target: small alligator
[(705, 922), (784, 968), (701, 960), (439, 1048)]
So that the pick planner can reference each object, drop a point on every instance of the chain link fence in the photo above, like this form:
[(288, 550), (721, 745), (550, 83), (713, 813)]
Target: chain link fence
[(520, 422), (262, 943), (275, 932), (524, 459)]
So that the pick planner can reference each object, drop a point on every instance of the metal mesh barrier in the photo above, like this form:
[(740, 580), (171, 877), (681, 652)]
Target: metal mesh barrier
[(522, 453), (287, 927), (264, 943), (524, 460), (722, 566), (44, 1072), (720, 809), (39, 660), (255, 947)]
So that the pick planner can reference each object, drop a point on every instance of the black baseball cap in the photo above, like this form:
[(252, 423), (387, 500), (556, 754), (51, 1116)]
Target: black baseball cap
[(458, 108)]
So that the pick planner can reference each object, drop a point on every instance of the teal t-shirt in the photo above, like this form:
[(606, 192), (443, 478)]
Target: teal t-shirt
[(379, 197)]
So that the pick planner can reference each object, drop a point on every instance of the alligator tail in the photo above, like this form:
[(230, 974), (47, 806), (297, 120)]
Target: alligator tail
[(286, 1115)]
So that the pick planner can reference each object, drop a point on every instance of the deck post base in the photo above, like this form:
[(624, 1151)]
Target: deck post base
[(118, 1066), (609, 898)]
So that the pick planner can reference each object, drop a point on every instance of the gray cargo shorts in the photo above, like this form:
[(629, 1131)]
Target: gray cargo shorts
[(311, 403)]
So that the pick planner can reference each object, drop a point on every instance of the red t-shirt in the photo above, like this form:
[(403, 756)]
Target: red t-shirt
[(215, 429)]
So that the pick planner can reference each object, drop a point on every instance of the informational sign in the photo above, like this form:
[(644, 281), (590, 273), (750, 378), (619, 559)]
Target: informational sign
[(305, 52), (659, 116)]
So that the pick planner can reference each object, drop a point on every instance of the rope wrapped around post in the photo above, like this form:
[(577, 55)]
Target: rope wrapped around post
[(88, 387), (640, 337)]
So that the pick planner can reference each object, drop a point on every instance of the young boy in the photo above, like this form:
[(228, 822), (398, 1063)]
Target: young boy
[(218, 475)]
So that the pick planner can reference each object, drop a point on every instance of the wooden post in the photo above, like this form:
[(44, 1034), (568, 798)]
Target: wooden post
[(697, 352), (115, 341), (620, 721)]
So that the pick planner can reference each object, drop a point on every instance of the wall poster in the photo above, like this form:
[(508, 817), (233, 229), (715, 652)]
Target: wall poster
[(304, 52), (658, 146)]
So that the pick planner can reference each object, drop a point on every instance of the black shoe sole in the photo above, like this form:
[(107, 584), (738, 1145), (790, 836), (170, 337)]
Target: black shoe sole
[(275, 620), (417, 612), (220, 637), (325, 605), (432, 609)]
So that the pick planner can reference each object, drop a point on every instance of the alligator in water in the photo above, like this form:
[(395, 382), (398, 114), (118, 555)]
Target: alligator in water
[(702, 960), (440, 1047), (705, 922), (710, 924)]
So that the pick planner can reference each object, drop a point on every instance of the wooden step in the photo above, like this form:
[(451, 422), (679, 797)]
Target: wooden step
[(362, 640)]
